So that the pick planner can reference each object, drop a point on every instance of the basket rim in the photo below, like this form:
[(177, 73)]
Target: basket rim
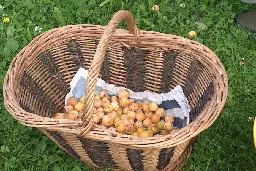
[(214, 64)]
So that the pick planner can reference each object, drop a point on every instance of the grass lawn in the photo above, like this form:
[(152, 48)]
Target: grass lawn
[(226, 145)]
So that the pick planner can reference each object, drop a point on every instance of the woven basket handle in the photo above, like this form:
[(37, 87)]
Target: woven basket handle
[(98, 60)]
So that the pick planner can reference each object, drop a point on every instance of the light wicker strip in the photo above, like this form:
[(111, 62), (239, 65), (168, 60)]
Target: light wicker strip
[(178, 151), (119, 156), (150, 159)]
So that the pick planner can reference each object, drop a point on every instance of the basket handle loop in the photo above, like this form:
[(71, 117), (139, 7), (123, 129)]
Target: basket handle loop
[(98, 59)]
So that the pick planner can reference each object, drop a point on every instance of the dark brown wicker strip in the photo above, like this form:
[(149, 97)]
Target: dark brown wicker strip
[(64, 143), (25, 107), (135, 159), (47, 59), (134, 64), (50, 62), (38, 94), (165, 156), (75, 53), (193, 73), (167, 73), (104, 72), (98, 152), (202, 101)]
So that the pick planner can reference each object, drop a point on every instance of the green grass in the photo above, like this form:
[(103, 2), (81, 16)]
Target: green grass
[(226, 145)]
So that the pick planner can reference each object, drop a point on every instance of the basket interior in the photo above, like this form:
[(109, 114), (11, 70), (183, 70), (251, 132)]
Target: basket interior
[(45, 80)]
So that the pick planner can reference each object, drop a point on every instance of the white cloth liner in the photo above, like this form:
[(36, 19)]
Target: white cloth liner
[(175, 94)]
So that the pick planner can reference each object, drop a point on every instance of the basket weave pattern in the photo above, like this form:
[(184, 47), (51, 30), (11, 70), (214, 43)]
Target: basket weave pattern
[(38, 80)]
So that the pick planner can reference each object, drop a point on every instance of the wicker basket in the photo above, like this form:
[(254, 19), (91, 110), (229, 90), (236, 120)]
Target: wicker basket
[(38, 80)]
